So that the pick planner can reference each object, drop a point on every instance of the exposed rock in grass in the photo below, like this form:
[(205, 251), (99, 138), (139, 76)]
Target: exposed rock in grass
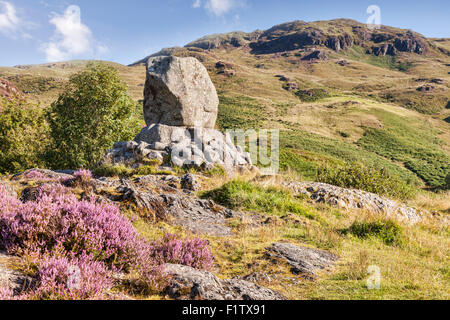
[(316, 55), (158, 200), (354, 199), (190, 182), (343, 63), (303, 260), (187, 283)]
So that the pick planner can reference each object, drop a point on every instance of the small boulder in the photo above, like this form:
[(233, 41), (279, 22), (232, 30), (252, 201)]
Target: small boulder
[(187, 283), (316, 55), (190, 182), (303, 260)]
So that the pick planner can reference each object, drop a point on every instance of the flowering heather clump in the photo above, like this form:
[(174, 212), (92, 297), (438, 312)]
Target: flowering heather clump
[(61, 278), (82, 177), (60, 219), (6, 294), (171, 248), (75, 244)]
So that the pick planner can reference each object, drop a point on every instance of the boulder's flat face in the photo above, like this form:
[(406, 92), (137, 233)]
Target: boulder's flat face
[(179, 92)]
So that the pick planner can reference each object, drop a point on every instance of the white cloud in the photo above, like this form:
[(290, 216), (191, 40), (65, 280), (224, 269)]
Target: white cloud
[(72, 38), (9, 22), (197, 4), (218, 7)]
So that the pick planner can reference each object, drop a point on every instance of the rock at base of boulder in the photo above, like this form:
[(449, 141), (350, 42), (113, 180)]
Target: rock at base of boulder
[(187, 283), (190, 182), (181, 147)]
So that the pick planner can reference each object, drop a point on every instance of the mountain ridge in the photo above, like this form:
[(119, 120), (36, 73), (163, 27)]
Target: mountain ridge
[(337, 34)]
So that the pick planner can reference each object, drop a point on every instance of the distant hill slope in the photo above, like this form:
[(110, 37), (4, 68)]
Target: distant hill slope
[(338, 92)]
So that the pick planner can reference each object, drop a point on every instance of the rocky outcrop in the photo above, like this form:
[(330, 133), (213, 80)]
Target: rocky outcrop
[(187, 283), (179, 92), (385, 49), (411, 43), (316, 55), (303, 260), (341, 42), (160, 198), (351, 199)]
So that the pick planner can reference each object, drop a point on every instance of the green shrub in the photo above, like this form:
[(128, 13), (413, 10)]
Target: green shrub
[(23, 136), (238, 194), (388, 231), (370, 179), (109, 170), (447, 182), (312, 95), (93, 113)]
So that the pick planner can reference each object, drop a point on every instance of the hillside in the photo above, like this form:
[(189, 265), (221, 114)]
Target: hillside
[(389, 110), (365, 152)]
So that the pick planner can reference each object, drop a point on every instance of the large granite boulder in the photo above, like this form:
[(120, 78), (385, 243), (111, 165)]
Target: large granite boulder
[(179, 92), (180, 109)]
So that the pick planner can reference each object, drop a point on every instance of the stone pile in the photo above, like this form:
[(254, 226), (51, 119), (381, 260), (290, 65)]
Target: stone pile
[(180, 110)]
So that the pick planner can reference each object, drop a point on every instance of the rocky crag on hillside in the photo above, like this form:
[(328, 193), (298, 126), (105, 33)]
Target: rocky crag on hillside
[(299, 34), (337, 35), (180, 109)]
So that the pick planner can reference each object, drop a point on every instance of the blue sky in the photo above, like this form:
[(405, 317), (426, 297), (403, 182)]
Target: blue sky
[(39, 31)]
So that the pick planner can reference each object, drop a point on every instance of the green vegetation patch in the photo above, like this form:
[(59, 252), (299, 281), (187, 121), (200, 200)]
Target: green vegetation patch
[(240, 112), (388, 62), (312, 95), (370, 179), (388, 231), (333, 152), (415, 146), (120, 170)]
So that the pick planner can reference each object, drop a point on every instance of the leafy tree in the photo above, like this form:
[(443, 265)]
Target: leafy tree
[(23, 135), (94, 112)]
